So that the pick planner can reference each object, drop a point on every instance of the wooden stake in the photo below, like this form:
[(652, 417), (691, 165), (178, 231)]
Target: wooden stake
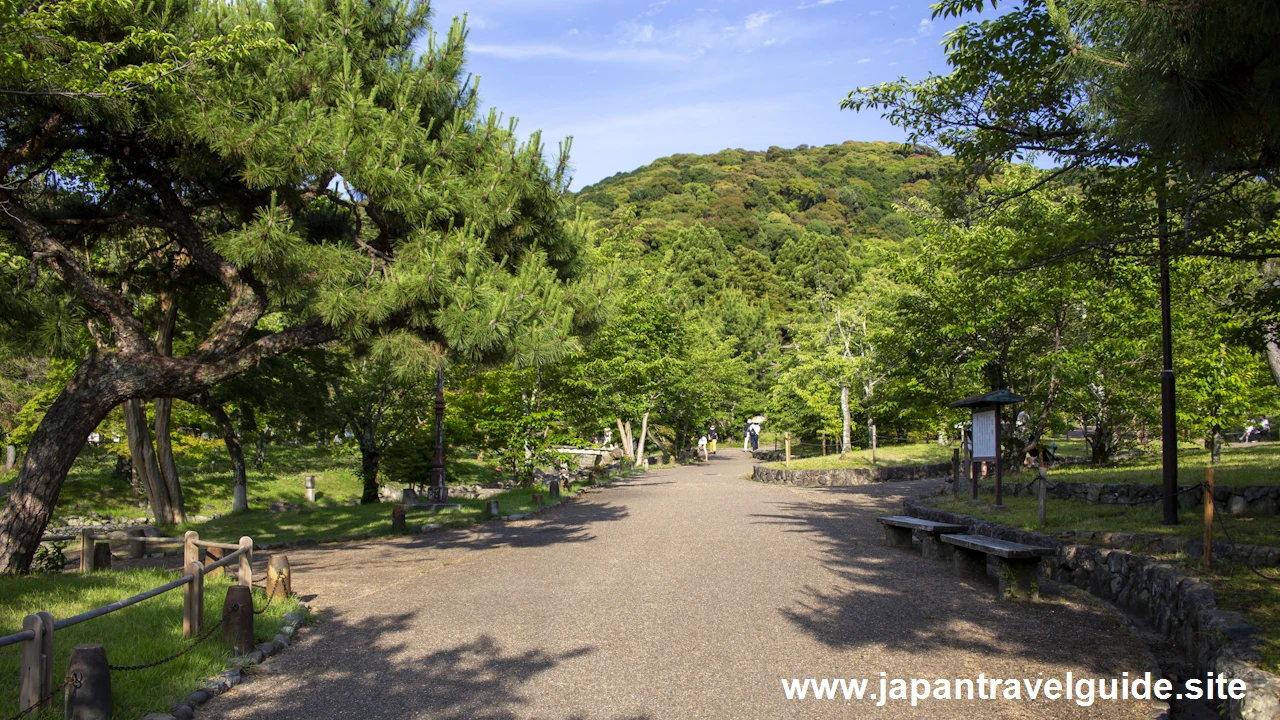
[(30, 687), (955, 473), (190, 551), (279, 577), (788, 449), (102, 555), (1207, 557), (86, 551), (193, 601), (1042, 514), (246, 564), (211, 556), (237, 619)]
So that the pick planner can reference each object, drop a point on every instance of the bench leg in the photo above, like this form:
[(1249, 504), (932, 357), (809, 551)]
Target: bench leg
[(897, 537), (1020, 579), (969, 564), (934, 549)]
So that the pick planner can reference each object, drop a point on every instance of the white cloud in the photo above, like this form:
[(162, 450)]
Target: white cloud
[(757, 19), (819, 3), (863, 60), (925, 27)]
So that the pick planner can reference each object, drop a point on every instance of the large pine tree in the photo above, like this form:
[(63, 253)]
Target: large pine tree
[(310, 170)]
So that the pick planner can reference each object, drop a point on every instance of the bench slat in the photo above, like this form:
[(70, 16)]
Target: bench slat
[(994, 546), (921, 524)]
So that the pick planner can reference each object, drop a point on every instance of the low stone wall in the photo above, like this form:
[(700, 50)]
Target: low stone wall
[(1256, 555), (1236, 499), (1180, 606), (848, 476)]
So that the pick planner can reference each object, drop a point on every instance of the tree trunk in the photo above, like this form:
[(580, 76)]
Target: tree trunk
[(369, 461), (164, 412), (1215, 450), (10, 457), (63, 431), (164, 457), (1273, 357), (871, 436), (230, 438), (144, 462), (644, 430), (628, 449), (847, 427)]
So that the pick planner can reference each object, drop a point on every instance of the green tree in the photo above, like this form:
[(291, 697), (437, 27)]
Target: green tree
[(337, 174)]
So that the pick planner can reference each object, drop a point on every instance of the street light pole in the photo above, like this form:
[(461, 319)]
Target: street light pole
[(437, 493), (1168, 397)]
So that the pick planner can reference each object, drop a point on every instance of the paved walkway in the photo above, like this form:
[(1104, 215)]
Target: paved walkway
[(682, 593)]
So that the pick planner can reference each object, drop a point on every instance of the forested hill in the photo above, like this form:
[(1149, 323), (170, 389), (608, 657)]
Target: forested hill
[(765, 200)]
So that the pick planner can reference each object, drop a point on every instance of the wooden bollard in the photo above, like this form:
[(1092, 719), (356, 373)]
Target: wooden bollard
[(955, 472), (553, 489), (190, 551), (279, 577), (1042, 514), (537, 498), (86, 551), (788, 435), (310, 486), (1207, 557), (237, 619), (137, 548), (193, 601), (491, 509), (102, 555), (397, 518), (211, 556), (89, 698), (32, 682), (246, 562)]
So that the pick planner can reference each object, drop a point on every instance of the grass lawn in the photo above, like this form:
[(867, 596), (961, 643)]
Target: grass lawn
[(1253, 464), (352, 521), (92, 486), (1235, 587), (135, 635), (1021, 512)]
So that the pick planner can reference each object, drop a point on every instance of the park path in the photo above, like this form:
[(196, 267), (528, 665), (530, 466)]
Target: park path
[(680, 593)]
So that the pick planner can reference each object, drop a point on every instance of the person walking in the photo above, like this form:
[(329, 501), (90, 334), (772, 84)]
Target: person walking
[(755, 436), (702, 448), (712, 436), (746, 436)]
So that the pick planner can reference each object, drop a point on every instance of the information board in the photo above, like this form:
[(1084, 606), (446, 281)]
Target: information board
[(984, 435)]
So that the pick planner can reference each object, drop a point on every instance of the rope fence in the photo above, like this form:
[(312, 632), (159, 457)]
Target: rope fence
[(36, 639)]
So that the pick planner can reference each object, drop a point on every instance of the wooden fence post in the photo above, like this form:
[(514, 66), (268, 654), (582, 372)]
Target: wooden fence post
[(1043, 511), (46, 652), (190, 551), (31, 687), (788, 449), (279, 577), (955, 473), (397, 518), (193, 601), (1207, 557), (246, 563), (86, 550), (211, 556)]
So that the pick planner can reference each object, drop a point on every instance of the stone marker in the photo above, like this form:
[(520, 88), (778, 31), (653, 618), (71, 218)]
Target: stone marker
[(492, 508), (92, 699), (553, 489), (310, 485)]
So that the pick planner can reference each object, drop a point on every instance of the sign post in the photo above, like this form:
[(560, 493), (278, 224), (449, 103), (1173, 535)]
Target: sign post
[(985, 437)]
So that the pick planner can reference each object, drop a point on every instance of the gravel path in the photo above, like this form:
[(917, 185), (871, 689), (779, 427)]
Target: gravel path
[(682, 593)]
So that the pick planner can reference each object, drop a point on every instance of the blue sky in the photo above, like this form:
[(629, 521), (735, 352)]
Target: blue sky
[(633, 81)]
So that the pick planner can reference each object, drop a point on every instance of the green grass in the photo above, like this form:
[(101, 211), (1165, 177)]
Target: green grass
[(352, 521), (1235, 587), (1253, 464), (913, 454), (135, 635), (91, 485), (1021, 512)]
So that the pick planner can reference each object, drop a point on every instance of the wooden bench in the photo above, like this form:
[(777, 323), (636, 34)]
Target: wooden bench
[(898, 529), (1019, 564)]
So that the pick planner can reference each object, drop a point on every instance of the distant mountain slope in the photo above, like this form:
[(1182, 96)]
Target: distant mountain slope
[(764, 199)]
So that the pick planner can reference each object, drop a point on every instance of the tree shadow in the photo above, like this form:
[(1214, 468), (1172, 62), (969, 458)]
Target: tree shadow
[(894, 599), (384, 666)]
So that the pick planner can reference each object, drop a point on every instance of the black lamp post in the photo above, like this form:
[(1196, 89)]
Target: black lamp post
[(438, 493)]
